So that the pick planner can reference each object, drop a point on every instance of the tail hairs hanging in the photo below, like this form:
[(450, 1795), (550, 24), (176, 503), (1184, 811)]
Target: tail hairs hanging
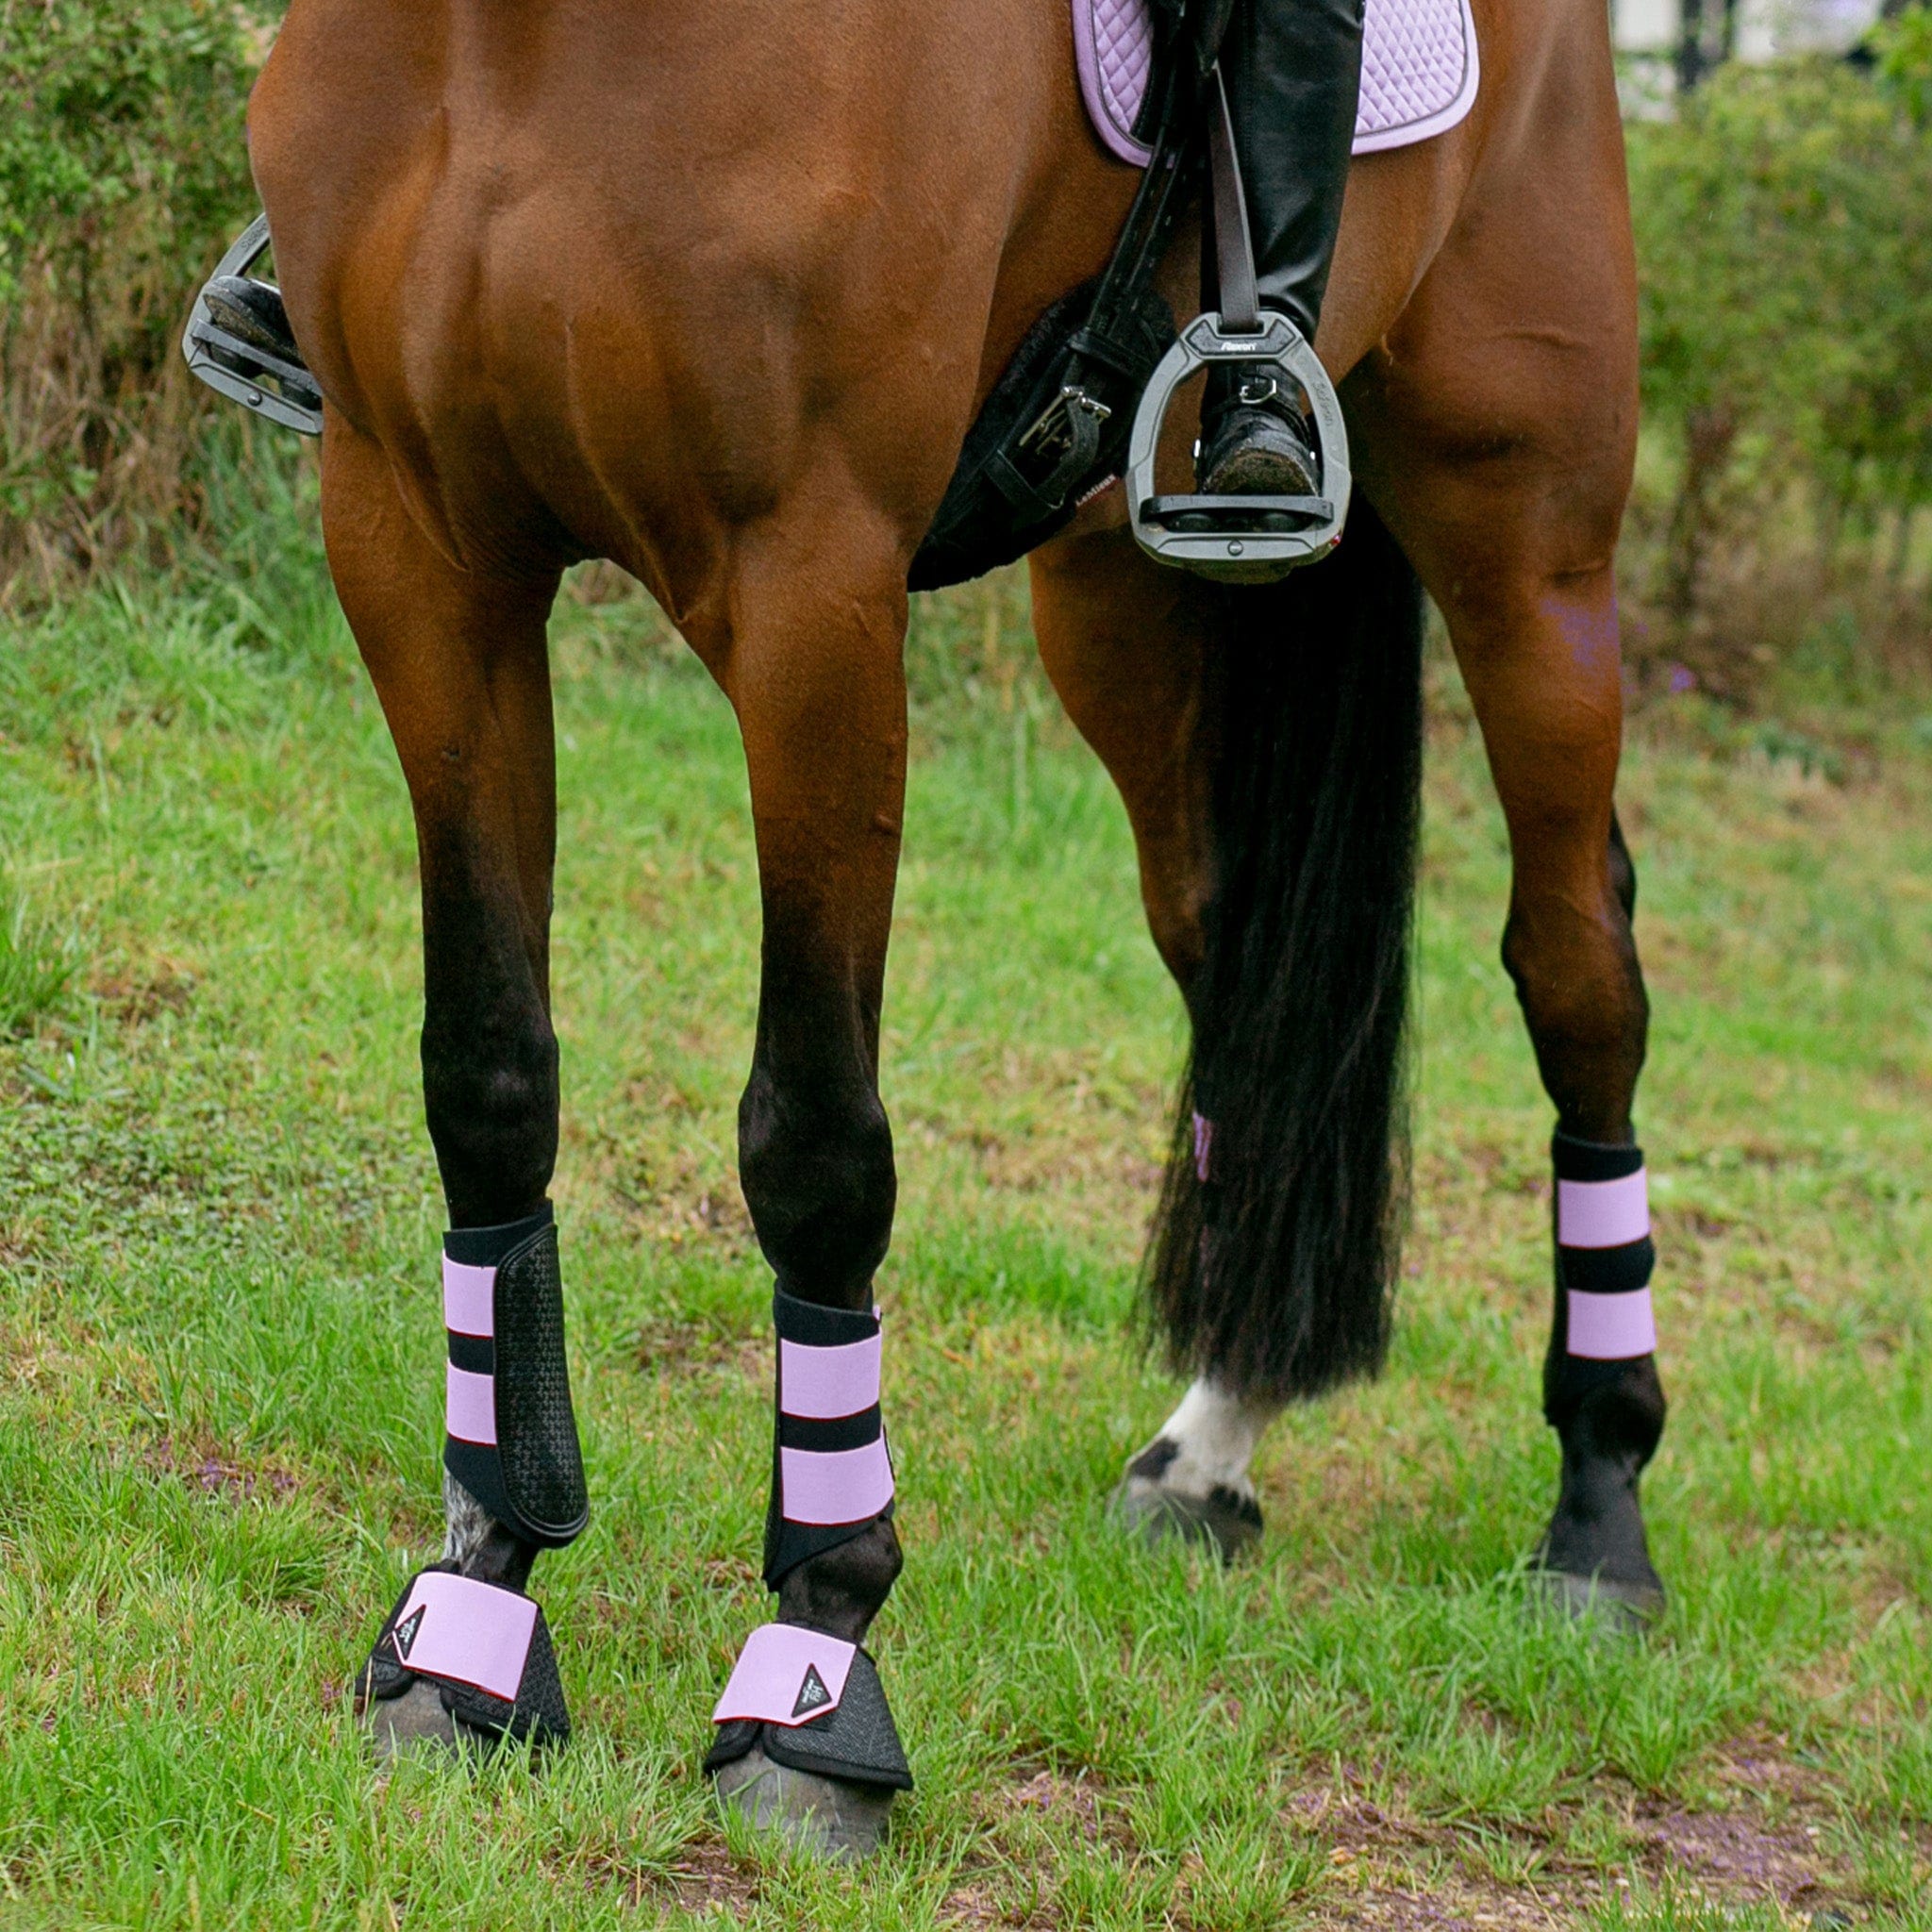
[(1275, 1247)]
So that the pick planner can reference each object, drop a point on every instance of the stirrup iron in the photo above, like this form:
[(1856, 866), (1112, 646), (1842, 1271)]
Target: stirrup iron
[(244, 372), (1240, 540)]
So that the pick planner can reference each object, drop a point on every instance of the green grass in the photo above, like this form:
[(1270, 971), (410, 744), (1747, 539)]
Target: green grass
[(219, 1340)]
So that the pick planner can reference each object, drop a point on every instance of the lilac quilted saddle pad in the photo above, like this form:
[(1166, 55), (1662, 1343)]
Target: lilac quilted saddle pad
[(1420, 70)]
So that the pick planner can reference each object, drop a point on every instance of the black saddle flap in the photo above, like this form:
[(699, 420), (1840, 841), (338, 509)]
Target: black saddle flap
[(1009, 494)]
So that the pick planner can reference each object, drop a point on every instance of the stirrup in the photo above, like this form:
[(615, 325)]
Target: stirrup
[(272, 386), (1240, 540)]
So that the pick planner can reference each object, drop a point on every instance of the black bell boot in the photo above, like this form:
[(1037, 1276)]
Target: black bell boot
[(1294, 73)]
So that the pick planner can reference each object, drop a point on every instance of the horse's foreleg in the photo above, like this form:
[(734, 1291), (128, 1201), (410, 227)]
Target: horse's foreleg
[(458, 662), (813, 666)]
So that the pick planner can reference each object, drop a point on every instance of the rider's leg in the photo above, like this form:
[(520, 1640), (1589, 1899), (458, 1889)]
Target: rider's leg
[(1294, 71)]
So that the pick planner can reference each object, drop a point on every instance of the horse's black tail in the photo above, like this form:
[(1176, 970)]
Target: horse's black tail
[(1277, 1273)]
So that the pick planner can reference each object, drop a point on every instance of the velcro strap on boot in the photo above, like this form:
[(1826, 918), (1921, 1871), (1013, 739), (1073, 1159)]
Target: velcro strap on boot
[(815, 1703), (1603, 1252), (832, 1471), (487, 1649), (511, 1435)]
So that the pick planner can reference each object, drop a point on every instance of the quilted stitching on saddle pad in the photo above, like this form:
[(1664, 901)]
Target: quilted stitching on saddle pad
[(1418, 70)]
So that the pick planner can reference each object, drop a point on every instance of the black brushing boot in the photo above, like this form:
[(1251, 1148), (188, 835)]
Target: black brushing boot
[(1601, 1391), (1294, 73)]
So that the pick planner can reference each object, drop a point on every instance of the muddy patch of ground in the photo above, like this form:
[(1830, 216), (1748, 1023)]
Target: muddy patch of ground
[(204, 1466), (1385, 1870)]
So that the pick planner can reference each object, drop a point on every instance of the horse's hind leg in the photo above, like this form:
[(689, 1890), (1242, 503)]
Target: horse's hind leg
[(458, 662), (813, 667), (1127, 647), (1496, 433)]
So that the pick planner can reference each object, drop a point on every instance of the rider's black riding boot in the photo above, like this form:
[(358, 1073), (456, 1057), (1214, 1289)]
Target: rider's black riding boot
[(252, 313), (1294, 73)]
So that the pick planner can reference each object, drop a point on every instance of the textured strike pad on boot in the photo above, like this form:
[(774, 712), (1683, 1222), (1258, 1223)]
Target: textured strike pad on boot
[(1229, 1524), (512, 1435), (825, 1816), (535, 1709), (856, 1742)]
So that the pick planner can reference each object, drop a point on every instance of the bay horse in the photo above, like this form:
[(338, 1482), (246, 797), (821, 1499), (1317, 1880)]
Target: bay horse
[(715, 291)]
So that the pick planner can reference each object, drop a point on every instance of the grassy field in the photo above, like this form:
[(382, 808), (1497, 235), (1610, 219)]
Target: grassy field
[(220, 1346)]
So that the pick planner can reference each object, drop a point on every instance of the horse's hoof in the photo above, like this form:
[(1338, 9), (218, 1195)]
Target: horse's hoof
[(1222, 1521), (416, 1723), (1618, 1609), (827, 1817)]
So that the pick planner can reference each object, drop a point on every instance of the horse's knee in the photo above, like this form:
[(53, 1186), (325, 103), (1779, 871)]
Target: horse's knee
[(489, 1094), (819, 1179)]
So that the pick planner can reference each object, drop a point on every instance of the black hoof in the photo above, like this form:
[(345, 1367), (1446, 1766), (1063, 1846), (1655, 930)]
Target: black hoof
[(417, 1724), (1594, 1556), (1619, 1609), (1222, 1521), (826, 1818)]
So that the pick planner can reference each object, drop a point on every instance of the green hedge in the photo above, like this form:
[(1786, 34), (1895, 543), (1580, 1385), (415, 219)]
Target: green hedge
[(1784, 231), (123, 172)]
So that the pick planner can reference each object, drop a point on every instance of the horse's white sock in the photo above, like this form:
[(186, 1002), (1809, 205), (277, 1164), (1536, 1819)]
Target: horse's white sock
[(466, 1525), (1208, 1442)]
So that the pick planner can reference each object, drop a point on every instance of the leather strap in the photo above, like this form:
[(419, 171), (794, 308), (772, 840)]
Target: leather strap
[(1235, 296), (1147, 230)]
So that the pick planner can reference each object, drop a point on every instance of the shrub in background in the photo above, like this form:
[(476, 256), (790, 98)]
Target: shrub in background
[(1784, 223), (123, 173), (1784, 229)]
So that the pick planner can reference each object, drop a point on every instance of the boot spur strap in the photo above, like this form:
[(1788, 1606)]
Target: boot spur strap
[(486, 1648), (815, 1703)]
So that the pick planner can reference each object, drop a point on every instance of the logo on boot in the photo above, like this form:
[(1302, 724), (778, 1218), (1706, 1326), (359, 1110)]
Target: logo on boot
[(812, 1694), (405, 1634)]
